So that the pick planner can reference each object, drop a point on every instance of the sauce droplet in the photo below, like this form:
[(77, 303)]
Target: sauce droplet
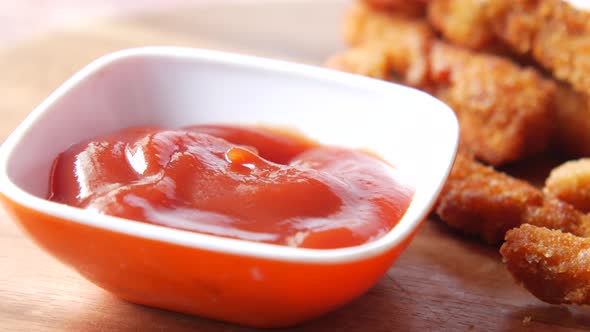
[(240, 155)]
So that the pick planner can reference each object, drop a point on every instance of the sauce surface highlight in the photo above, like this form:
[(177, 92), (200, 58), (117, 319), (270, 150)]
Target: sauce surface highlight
[(248, 183)]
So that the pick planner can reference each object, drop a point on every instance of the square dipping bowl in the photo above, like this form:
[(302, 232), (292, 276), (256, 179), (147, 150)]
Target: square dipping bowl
[(249, 283)]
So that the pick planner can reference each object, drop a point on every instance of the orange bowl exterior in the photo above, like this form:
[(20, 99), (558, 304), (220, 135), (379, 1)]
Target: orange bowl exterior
[(240, 289)]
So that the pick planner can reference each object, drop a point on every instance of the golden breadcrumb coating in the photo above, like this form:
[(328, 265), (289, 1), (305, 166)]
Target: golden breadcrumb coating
[(486, 203), (506, 112), (462, 22), (570, 182), (553, 32), (369, 60), (572, 122), (553, 266), (405, 40)]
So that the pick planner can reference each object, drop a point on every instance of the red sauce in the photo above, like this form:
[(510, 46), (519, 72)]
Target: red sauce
[(247, 183)]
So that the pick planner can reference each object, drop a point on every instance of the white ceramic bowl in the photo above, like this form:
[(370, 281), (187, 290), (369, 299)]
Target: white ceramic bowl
[(245, 282)]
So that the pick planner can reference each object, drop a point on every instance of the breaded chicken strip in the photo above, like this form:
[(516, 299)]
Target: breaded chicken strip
[(570, 182), (462, 22), (483, 202), (474, 24), (405, 41), (505, 111), (572, 122), (371, 60), (553, 266), (496, 101), (553, 32)]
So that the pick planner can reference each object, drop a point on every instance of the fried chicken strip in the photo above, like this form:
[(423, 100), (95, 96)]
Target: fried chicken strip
[(572, 121), (463, 22), (553, 32), (553, 266), (477, 199), (486, 203), (470, 23), (570, 182), (505, 111), (404, 41), (371, 60)]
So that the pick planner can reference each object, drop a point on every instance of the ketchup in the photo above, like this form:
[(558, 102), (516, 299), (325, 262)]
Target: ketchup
[(247, 183)]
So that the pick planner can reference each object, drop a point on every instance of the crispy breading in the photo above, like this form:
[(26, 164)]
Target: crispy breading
[(462, 22), (505, 111), (570, 182), (572, 122), (553, 32), (373, 60), (369, 60), (407, 41), (486, 203), (553, 266), (469, 23)]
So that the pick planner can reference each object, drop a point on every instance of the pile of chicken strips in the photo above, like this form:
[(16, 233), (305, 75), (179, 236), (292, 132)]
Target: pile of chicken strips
[(517, 75)]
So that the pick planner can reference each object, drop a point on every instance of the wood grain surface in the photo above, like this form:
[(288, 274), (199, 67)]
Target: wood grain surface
[(443, 282)]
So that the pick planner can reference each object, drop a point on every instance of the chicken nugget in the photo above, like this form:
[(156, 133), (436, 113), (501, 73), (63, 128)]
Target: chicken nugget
[(552, 32), (406, 41), (462, 22), (570, 182), (369, 60), (554, 266), (505, 111), (486, 203), (572, 122)]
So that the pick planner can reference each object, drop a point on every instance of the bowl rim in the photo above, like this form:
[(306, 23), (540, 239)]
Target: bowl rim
[(401, 231)]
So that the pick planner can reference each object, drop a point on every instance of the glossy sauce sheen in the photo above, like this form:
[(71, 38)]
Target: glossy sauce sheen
[(248, 183)]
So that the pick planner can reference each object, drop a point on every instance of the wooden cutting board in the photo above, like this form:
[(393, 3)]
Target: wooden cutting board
[(442, 282)]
